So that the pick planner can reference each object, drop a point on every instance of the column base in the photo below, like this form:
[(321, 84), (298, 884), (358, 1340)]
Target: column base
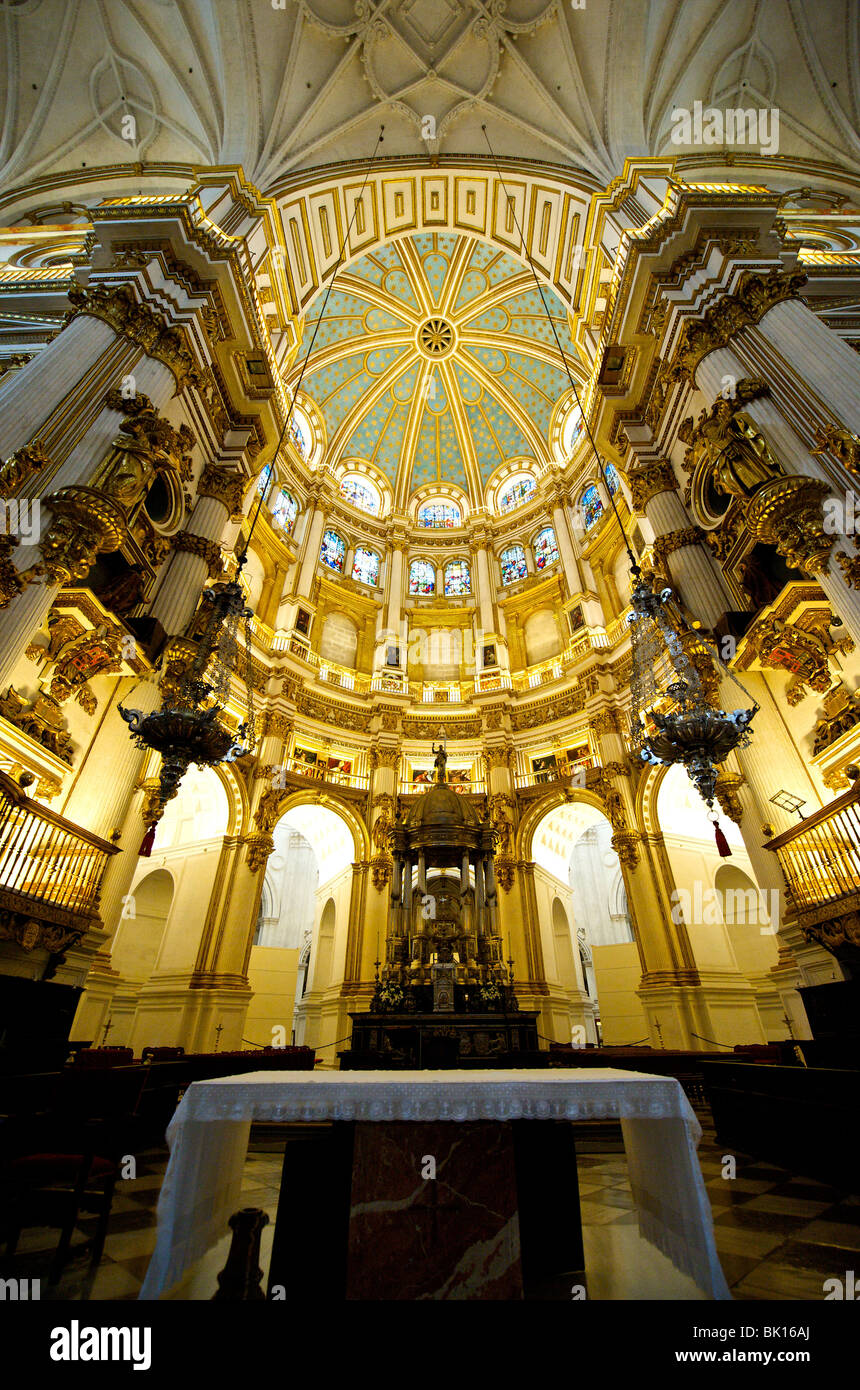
[(717, 1012), (181, 1011)]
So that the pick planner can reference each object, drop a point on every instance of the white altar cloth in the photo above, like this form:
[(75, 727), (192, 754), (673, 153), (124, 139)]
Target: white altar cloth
[(208, 1141)]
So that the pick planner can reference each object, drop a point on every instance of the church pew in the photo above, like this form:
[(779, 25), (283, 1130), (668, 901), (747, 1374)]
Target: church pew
[(795, 1117)]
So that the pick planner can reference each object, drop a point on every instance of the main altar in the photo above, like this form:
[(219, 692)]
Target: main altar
[(445, 995)]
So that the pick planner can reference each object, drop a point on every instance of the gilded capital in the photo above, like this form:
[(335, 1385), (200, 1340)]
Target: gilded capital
[(383, 757), (676, 540), (649, 481), (226, 485), (757, 292), (139, 323)]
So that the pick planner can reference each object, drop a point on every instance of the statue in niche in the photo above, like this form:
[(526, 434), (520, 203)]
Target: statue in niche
[(742, 460), (440, 762), (736, 452)]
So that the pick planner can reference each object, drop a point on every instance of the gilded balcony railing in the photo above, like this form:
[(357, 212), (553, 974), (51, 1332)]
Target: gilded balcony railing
[(46, 859), (820, 856)]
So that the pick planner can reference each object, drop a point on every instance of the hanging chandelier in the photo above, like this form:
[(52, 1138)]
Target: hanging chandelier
[(190, 728), (672, 718)]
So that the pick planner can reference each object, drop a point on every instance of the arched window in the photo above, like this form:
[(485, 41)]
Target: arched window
[(516, 493), (333, 551), (545, 548), (613, 482), (513, 564), (592, 507), (457, 578), (360, 494), (365, 566), (422, 577), (574, 427), (439, 514), (264, 479), (301, 433), (285, 509)]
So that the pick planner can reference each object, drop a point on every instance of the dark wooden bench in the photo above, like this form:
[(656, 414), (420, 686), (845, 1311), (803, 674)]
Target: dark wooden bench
[(796, 1117)]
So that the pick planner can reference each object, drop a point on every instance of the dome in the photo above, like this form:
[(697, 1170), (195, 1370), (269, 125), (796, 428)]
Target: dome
[(440, 806)]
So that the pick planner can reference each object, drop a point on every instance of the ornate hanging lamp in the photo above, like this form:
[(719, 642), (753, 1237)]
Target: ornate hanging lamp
[(672, 719), (189, 728)]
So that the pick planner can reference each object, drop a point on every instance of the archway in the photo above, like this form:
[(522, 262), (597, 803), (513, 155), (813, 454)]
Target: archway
[(141, 929), (728, 920), (589, 948), (299, 943)]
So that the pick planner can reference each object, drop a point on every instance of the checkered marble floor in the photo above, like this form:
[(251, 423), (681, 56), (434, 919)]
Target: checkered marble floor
[(778, 1236)]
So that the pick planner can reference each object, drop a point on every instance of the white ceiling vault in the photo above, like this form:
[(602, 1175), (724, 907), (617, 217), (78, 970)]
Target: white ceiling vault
[(284, 89)]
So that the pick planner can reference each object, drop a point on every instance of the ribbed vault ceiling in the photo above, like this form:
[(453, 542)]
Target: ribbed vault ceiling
[(435, 361), (284, 89)]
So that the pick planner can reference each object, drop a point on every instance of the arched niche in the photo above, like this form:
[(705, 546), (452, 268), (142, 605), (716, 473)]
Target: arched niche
[(139, 936)]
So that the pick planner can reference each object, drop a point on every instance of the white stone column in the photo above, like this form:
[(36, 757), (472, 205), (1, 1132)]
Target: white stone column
[(565, 548), (30, 396), (485, 593), (818, 358), (313, 544)]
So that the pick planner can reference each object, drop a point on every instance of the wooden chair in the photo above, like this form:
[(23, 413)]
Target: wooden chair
[(61, 1164)]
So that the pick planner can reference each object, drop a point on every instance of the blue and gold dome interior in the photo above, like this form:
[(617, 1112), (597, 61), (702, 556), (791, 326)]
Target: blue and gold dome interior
[(435, 361)]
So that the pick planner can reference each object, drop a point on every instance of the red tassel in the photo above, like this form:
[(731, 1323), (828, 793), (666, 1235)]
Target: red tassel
[(146, 843), (722, 843)]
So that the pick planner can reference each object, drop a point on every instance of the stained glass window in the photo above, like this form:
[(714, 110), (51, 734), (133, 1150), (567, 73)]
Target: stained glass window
[(264, 479), (592, 507), (545, 548), (333, 551), (513, 564), (422, 577), (285, 509), (301, 433), (439, 514), (365, 567), (516, 493), (613, 482), (360, 494), (457, 578), (574, 427)]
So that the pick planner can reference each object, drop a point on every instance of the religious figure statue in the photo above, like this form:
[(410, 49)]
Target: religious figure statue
[(440, 762), (735, 451), (742, 461)]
